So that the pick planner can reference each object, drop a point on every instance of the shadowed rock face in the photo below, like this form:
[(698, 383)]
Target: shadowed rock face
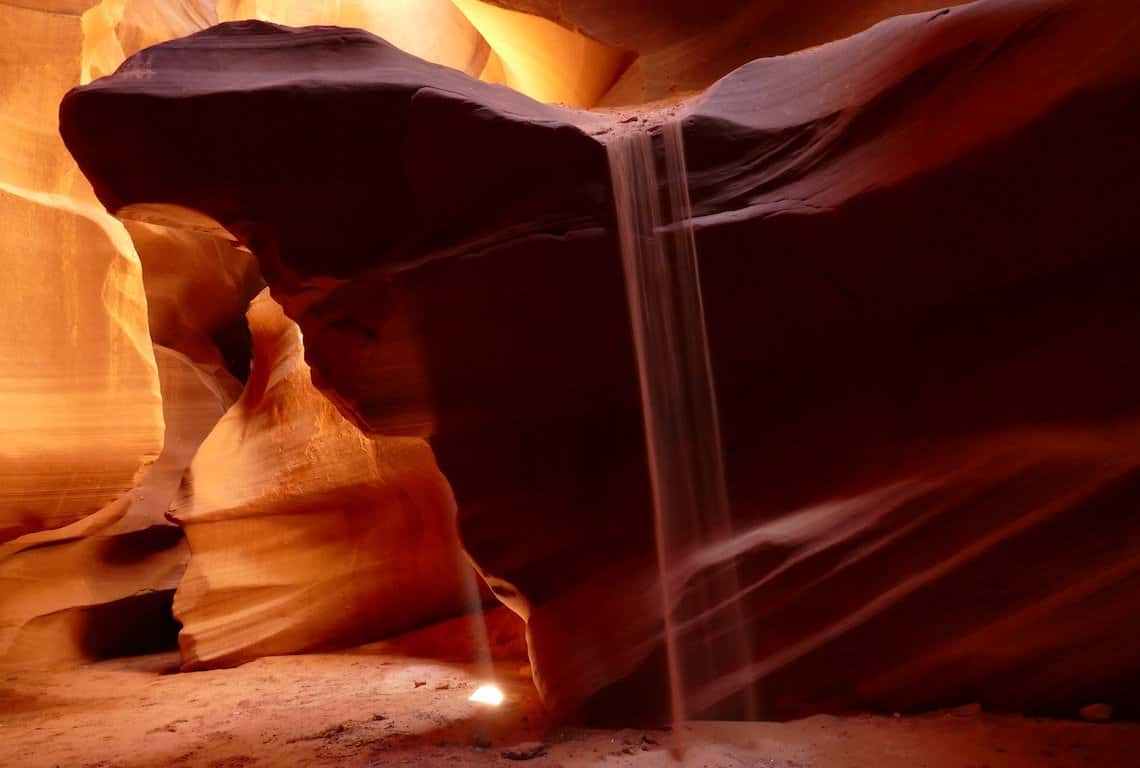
[(916, 249)]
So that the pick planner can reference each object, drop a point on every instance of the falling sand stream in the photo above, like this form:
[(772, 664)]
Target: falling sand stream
[(705, 639)]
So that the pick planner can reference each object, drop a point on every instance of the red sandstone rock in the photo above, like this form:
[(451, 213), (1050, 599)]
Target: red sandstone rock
[(198, 287), (80, 410), (304, 533), (916, 259), (683, 46), (103, 585)]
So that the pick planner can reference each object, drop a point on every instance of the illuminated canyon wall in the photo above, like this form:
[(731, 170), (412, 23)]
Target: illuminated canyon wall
[(304, 532), (916, 257), (120, 343)]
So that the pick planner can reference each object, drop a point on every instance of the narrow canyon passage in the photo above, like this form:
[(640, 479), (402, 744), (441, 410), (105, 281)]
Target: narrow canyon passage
[(637, 382)]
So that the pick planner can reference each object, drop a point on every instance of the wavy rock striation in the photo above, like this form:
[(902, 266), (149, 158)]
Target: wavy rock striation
[(103, 585), (304, 533), (916, 248), (80, 409)]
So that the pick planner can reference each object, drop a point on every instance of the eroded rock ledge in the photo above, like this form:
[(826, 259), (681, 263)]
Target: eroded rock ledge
[(918, 262)]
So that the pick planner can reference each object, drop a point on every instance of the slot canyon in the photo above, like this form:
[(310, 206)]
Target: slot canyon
[(630, 383)]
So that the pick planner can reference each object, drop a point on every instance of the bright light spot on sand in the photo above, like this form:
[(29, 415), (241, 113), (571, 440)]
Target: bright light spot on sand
[(487, 694)]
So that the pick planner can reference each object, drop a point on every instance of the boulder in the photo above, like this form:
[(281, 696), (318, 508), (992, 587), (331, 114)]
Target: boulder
[(915, 261)]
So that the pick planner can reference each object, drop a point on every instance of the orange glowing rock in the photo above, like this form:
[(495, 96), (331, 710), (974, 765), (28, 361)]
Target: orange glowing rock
[(679, 46), (104, 584), (80, 409), (40, 59), (198, 287), (542, 59), (431, 29), (115, 29), (304, 532)]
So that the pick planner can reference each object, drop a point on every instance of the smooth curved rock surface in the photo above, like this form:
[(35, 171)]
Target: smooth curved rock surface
[(304, 533), (43, 44), (103, 586), (542, 59), (916, 261), (683, 46), (198, 287), (80, 408), (432, 29), (80, 412)]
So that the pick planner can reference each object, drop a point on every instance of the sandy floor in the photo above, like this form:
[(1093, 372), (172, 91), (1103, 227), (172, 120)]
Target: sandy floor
[(374, 707)]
